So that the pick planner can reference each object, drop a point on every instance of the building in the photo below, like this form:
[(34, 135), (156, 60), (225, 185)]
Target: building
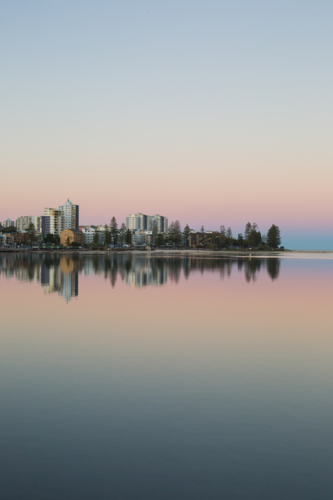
[(52, 221), (142, 238), (4, 239), (22, 223), (8, 223), (137, 221), (68, 236), (196, 239), (142, 222), (89, 233), (71, 215), (159, 222)]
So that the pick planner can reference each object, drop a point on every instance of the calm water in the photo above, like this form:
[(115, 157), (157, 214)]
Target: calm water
[(166, 378)]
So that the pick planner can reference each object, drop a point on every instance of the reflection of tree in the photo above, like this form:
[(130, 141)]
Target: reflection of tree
[(273, 268), (137, 270), (113, 270), (252, 267)]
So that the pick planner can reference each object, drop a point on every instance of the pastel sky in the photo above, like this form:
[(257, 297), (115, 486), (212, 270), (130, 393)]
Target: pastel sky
[(210, 112)]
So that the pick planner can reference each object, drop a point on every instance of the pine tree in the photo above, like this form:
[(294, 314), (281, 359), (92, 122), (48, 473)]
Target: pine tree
[(114, 230), (177, 233), (31, 234), (122, 233), (128, 237), (273, 236), (187, 231), (247, 232), (107, 235)]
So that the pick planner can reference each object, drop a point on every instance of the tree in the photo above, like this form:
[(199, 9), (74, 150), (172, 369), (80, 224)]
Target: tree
[(202, 229), (75, 244), (247, 232), (187, 232), (54, 239), (122, 233), (155, 228), (114, 230), (31, 234), (96, 239), (178, 233), (171, 232), (229, 236), (107, 235), (175, 233), (128, 237), (68, 241), (273, 236), (10, 229), (159, 239), (222, 236), (240, 240)]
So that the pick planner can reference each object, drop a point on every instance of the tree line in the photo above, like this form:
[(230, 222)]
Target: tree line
[(224, 237)]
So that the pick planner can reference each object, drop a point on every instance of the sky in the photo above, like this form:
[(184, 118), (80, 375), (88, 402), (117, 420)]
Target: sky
[(210, 112)]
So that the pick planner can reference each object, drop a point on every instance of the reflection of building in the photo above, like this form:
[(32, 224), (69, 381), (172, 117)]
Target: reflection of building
[(50, 279), (68, 236), (145, 271), (61, 277)]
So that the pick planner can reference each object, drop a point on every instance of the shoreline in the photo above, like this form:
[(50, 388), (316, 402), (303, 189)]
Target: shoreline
[(182, 252)]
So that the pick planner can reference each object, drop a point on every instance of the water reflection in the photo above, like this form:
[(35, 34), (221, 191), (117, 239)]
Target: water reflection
[(60, 272)]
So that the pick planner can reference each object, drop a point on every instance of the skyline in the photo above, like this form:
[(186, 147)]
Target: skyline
[(236, 231), (208, 113)]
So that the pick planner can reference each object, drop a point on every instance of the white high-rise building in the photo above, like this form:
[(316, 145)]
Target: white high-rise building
[(141, 222), (71, 215), (137, 221), (158, 221), (8, 223)]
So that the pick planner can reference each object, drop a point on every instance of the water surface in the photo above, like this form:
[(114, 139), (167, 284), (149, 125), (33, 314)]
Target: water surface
[(143, 377)]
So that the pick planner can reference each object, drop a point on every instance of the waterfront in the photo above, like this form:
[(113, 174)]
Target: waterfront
[(150, 377)]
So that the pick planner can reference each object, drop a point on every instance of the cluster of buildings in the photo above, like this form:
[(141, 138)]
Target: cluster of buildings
[(64, 222), (55, 221), (142, 227)]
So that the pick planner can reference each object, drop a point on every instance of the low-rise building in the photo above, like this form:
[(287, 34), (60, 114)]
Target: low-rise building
[(142, 238), (4, 238), (68, 236)]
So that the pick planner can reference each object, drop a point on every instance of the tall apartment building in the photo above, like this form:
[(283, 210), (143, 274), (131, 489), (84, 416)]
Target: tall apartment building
[(137, 221), (158, 221), (22, 223), (8, 223), (71, 215), (52, 221), (141, 222)]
